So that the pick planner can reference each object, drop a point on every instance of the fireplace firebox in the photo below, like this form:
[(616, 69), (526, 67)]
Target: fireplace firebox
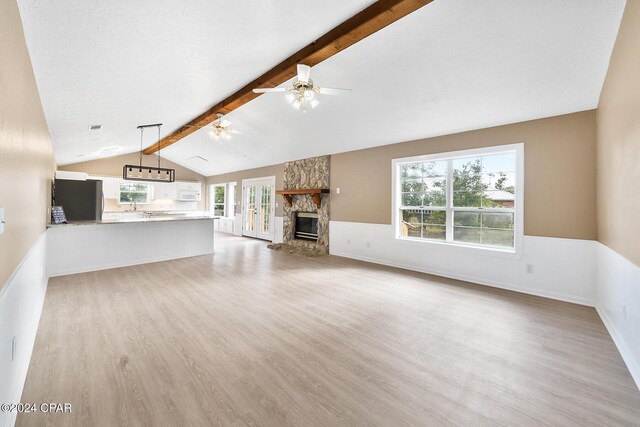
[(306, 226)]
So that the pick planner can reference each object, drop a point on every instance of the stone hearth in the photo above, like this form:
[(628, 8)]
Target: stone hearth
[(301, 174)]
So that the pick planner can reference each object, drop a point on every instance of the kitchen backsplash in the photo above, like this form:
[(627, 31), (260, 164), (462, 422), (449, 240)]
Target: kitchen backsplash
[(112, 205)]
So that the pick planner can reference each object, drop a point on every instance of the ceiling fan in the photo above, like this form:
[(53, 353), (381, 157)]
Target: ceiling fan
[(219, 128), (303, 93)]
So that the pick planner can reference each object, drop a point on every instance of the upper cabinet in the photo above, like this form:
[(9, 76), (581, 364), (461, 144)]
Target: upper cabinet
[(110, 187), (165, 190), (182, 191), (189, 191)]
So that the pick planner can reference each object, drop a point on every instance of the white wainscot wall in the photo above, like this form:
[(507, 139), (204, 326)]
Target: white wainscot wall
[(563, 269), (237, 225), (618, 302), (20, 308), (79, 248), (225, 225), (278, 230)]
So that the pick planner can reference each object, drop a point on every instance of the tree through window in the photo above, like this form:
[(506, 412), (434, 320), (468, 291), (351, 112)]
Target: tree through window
[(464, 199)]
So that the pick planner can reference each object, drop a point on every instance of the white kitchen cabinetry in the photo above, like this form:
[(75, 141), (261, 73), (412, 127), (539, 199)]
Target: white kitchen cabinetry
[(188, 186), (189, 191), (165, 191), (110, 187)]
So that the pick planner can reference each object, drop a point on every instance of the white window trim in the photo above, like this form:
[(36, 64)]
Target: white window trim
[(518, 208), (231, 201), (212, 191), (149, 194)]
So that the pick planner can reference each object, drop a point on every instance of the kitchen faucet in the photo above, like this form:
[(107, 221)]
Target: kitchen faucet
[(135, 206)]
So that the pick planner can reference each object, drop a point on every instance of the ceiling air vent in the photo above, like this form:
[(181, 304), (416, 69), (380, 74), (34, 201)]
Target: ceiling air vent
[(197, 158), (95, 127)]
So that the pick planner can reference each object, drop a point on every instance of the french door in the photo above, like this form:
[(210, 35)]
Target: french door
[(258, 205)]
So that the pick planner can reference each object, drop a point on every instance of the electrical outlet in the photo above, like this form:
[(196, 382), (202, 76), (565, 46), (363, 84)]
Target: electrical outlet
[(624, 312), (337, 190), (369, 244), (530, 268)]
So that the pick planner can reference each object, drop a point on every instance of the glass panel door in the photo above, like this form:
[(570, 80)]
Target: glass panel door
[(258, 208), (264, 217), (249, 226)]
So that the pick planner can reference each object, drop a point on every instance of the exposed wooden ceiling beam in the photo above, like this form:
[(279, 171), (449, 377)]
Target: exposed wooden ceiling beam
[(368, 21)]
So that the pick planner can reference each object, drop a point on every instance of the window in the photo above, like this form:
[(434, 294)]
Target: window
[(131, 192), (218, 200), (470, 198)]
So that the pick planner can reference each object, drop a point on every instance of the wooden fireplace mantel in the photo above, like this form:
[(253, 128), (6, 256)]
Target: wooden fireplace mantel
[(313, 192)]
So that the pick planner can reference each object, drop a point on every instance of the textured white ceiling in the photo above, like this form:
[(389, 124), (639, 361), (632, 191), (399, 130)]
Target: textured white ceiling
[(452, 66)]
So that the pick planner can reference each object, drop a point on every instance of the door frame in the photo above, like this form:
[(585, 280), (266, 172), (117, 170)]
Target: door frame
[(266, 180)]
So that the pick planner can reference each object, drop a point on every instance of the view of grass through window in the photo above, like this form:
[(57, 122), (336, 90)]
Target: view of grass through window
[(476, 207)]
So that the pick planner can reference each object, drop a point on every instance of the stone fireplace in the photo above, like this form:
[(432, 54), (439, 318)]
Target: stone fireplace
[(303, 211), (306, 226)]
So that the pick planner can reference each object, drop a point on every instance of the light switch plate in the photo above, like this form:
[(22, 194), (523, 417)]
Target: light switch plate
[(1, 220)]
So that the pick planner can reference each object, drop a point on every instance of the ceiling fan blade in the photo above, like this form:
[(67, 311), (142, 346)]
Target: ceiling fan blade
[(225, 123), (235, 132), (270, 90), (332, 91), (303, 73)]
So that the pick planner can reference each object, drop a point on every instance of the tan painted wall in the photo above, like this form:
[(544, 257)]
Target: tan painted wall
[(113, 166), (560, 181), (274, 170), (618, 124), (26, 157)]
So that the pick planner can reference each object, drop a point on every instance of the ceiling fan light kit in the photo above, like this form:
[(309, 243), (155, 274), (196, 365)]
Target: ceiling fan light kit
[(220, 128), (302, 95), (148, 173)]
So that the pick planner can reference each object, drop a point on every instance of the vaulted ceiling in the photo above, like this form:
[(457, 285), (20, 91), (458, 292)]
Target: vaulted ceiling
[(453, 65)]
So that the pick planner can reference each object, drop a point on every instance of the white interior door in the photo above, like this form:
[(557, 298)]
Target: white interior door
[(258, 206)]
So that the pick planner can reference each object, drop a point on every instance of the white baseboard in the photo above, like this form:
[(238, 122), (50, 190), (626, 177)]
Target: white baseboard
[(618, 303), (627, 355), (500, 285), (563, 269), (20, 309), (577, 271)]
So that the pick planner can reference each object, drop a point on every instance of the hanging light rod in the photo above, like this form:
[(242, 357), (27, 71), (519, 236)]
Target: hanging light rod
[(149, 126), (148, 173)]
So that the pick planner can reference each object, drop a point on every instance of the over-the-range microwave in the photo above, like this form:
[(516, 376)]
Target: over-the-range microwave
[(189, 196)]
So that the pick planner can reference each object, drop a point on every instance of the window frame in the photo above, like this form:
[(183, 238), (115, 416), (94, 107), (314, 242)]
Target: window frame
[(518, 208), (224, 202), (148, 192)]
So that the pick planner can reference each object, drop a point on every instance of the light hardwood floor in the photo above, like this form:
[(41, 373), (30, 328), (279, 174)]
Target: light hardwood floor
[(251, 336)]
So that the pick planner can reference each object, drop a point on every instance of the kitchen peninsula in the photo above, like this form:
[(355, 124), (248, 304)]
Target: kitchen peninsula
[(128, 239)]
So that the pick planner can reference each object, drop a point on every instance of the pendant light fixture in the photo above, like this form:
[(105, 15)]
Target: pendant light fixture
[(148, 173)]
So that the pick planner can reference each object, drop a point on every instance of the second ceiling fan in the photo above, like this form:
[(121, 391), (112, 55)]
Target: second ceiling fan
[(303, 93)]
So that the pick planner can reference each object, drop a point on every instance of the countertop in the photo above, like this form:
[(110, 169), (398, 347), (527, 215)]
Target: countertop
[(140, 218)]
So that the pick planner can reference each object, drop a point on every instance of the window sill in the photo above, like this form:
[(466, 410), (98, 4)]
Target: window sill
[(462, 248), (131, 203)]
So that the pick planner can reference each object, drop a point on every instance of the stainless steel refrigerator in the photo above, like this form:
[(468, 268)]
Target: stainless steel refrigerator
[(81, 200)]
